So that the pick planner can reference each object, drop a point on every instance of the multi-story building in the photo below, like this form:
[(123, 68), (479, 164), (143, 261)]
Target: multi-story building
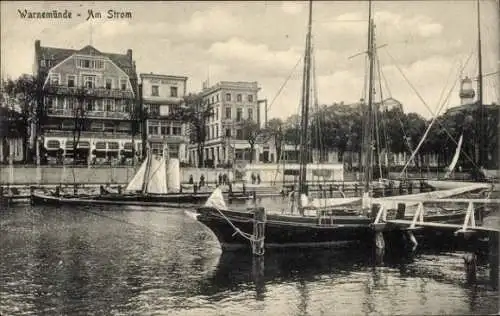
[(162, 95), (232, 103), (89, 93)]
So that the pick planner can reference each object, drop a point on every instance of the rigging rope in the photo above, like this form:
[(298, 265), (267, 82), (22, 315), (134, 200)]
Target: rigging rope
[(284, 84), (435, 116)]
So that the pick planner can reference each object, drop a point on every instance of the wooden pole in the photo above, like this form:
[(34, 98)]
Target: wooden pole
[(258, 231)]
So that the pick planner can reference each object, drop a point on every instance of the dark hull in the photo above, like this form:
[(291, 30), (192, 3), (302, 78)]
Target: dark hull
[(166, 200), (282, 231)]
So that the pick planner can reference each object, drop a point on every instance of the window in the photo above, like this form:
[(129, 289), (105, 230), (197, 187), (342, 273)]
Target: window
[(153, 128), (54, 79), (109, 83), (59, 104), (176, 130), (217, 97), (217, 114), (250, 98), (173, 92), (239, 114), (228, 113), (238, 98), (99, 107), (89, 64), (216, 130), (155, 91), (228, 132), (71, 81), (89, 81), (90, 105), (70, 103), (157, 148), (250, 114), (239, 134), (228, 96), (123, 84), (212, 132), (165, 130), (110, 105)]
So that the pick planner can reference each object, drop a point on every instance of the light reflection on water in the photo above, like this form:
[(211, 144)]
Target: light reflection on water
[(123, 261)]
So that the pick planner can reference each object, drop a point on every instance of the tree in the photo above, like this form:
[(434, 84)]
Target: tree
[(274, 129), (196, 113), (253, 134), (23, 91)]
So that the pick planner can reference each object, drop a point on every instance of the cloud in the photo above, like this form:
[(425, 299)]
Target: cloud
[(257, 59), (292, 7)]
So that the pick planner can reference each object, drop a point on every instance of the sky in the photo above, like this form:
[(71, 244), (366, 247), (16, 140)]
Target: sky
[(427, 42)]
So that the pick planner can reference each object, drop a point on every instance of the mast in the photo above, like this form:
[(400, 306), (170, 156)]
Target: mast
[(146, 179), (481, 121), (368, 114), (306, 87)]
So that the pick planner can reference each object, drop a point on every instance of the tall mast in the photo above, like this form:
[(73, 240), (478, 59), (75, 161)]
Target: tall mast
[(368, 114), (306, 87), (481, 121)]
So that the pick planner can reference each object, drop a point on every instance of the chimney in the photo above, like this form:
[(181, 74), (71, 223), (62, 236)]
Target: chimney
[(129, 54)]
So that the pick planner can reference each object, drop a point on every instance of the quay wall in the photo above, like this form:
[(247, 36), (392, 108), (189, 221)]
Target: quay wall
[(85, 175)]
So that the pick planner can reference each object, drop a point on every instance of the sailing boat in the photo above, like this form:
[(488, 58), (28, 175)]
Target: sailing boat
[(156, 183), (311, 226)]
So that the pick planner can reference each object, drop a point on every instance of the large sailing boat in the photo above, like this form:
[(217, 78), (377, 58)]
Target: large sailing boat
[(321, 224)]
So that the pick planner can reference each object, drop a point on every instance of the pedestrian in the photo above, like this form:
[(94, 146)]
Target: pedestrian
[(253, 178), (258, 178), (220, 179), (191, 181), (202, 180)]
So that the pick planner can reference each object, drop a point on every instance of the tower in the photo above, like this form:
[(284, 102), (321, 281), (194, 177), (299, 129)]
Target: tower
[(467, 92)]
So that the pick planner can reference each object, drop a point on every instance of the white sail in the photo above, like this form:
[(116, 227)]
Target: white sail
[(156, 180), (216, 200), (455, 158), (327, 202), (173, 175), (136, 183)]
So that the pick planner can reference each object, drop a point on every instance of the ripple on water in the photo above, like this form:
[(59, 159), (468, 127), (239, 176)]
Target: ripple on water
[(133, 261)]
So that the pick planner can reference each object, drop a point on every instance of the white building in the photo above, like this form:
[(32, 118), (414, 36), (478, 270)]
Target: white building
[(233, 103), (161, 96)]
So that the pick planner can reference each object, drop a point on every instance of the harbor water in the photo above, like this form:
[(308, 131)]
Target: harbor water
[(156, 261)]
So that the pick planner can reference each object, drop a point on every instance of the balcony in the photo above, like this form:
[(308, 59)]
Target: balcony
[(91, 92), (89, 134), (89, 114)]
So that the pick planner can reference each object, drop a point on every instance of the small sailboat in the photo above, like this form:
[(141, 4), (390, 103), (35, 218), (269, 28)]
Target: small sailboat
[(156, 183)]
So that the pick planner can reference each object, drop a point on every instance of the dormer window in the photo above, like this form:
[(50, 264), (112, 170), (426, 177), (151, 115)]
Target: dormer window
[(71, 81), (54, 79), (123, 84), (89, 63)]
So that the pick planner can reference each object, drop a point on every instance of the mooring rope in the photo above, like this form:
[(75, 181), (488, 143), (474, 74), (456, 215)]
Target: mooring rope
[(249, 237)]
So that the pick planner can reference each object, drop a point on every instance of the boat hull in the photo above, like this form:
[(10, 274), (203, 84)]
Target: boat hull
[(166, 200), (303, 232), (282, 231)]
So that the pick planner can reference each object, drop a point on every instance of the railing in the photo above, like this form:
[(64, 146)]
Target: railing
[(95, 92), (88, 134), (89, 114)]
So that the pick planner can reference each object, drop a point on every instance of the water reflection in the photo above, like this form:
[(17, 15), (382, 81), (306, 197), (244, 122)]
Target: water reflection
[(153, 261)]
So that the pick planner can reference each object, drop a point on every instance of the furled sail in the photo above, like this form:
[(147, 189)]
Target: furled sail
[(156, 180), (455, 158), (173, 175), (136, 183)]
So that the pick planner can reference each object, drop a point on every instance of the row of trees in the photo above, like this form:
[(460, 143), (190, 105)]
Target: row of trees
[(335, 126)]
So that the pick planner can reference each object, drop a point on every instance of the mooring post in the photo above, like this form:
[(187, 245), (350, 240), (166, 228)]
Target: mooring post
[(401, 211), (470, 263), (259, 220), (493, 259)]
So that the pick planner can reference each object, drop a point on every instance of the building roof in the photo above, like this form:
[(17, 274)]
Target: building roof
[(236, 85), (57, 55), (161, 76)]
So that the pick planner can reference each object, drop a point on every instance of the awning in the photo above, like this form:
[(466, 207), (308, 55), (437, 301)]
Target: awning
[(101, 146), (53, 144), (113, 146)]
